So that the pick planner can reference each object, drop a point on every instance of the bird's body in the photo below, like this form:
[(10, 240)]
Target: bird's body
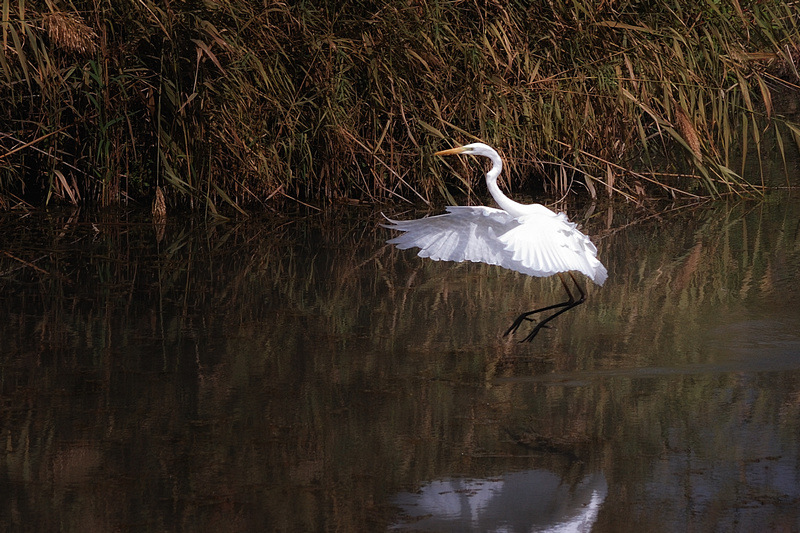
[(540, 243), (526, 238)]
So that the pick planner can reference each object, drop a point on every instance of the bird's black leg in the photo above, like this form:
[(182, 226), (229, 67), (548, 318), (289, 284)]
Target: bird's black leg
[(527, 315), (562, 307)]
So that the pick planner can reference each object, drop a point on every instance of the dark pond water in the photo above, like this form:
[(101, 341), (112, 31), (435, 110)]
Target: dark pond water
[(300, 375)]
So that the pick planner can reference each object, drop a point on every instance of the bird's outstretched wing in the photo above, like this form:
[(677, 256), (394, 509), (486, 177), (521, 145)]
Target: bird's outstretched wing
[(545, 243), (464, 233), (539, 243)]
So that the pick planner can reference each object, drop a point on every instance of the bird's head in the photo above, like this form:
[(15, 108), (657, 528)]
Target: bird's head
[(479, 149), (470, 149)]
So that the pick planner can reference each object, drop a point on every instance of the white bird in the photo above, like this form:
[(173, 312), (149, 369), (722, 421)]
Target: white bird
[(526, 238)]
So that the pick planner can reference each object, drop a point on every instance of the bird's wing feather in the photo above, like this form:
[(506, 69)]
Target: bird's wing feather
[(539, 243), (464, 233), (545, 243)]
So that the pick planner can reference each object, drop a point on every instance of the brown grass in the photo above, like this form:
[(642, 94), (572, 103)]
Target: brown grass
[(235, 104)]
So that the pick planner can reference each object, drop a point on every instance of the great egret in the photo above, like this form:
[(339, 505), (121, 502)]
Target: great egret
[(530, 239)]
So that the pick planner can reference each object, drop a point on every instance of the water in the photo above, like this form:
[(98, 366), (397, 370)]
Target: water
[(296, 374)]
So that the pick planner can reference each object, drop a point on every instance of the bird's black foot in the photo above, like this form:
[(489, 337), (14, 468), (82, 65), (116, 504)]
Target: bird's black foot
[(562, 308), (517, 323), (534, 331)]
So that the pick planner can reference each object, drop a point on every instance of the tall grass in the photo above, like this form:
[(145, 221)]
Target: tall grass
[(234, 103)]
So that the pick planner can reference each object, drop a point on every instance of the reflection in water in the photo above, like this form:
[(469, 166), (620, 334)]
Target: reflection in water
[(533, 500), (296, 375)]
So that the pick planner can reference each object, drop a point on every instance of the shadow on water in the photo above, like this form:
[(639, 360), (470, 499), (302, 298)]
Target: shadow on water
[(300, 375)]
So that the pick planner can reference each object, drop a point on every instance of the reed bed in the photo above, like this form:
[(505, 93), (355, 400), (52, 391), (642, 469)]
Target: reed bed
[(222, 105)]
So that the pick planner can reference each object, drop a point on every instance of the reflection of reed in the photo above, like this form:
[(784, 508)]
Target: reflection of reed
[(296, 372)]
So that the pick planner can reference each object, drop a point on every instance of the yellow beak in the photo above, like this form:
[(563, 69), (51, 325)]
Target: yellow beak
[(451, 151)]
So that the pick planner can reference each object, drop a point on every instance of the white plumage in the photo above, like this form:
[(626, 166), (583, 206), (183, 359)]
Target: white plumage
[(530, 239), (540, 244)]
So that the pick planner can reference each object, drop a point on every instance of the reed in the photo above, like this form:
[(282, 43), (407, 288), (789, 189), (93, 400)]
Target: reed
[(225, 105)]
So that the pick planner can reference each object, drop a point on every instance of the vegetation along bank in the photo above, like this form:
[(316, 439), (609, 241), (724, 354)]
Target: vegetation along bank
[(225, 105)]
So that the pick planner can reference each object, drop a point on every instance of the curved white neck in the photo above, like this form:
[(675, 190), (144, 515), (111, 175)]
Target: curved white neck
[(513, 208)]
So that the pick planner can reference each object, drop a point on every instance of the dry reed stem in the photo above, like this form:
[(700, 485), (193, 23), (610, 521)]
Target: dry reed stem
[(281, 98)]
